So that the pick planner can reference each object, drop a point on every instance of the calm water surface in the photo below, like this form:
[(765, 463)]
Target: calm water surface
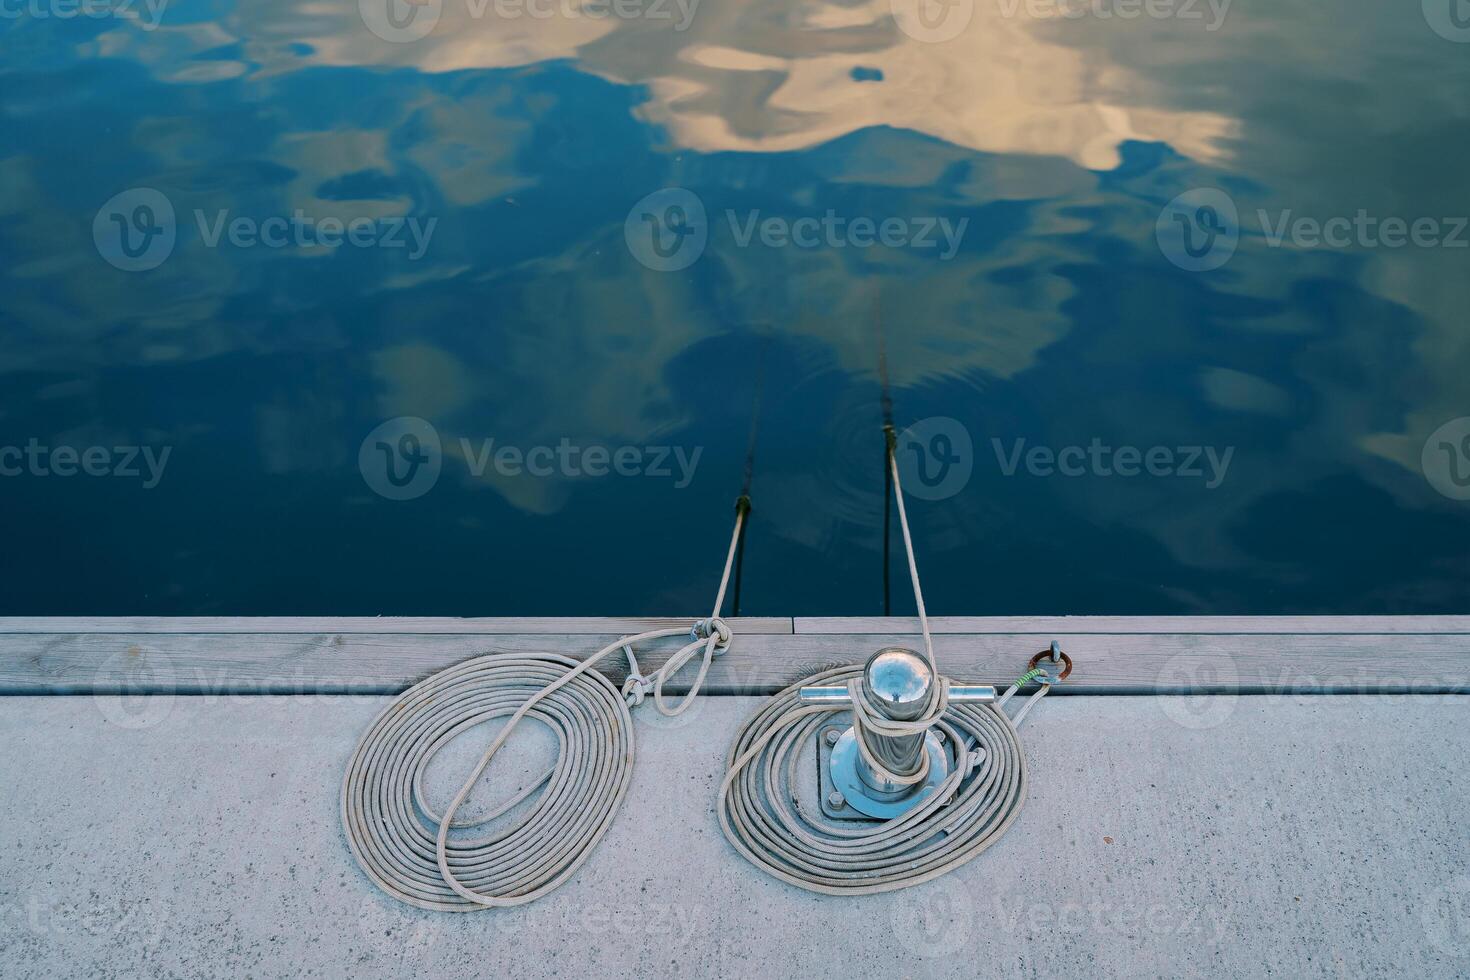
[(304, 313)]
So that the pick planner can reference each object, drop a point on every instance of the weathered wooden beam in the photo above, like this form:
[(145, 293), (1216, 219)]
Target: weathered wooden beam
[(598, 625), (1137, 624), (757, 663)]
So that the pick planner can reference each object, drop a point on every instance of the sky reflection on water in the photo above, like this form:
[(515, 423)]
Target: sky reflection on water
[(517, 145)]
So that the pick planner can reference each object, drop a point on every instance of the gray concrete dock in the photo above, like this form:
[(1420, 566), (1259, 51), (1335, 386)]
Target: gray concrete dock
[(175, 835)]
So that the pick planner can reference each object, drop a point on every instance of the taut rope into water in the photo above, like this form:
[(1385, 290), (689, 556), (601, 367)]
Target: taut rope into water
[(886, 403), (749, 474), (405, 847)]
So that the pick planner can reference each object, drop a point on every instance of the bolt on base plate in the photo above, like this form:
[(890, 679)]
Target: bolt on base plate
[(838, 779)]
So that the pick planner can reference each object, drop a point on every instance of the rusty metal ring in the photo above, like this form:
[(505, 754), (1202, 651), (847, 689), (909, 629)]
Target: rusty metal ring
[(1066, 663)]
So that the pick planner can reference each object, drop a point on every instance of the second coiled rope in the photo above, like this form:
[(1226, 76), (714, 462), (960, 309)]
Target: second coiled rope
[(764, 820)]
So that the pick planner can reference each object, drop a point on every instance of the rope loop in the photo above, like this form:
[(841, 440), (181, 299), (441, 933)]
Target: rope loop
[(867, 717)]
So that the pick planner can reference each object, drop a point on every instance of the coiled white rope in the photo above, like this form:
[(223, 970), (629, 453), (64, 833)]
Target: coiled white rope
[(763, 819), (970, 808), (406, 848)]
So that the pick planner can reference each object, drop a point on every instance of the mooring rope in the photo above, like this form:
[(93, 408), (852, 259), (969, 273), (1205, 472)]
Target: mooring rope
[(970, 808), (747, 476), (885, 402), (406, 848)]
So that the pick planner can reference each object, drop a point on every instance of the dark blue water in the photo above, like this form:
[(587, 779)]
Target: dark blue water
[(300, 318)]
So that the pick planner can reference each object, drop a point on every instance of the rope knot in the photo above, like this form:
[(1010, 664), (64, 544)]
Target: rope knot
[(715, 626), (636, 688)]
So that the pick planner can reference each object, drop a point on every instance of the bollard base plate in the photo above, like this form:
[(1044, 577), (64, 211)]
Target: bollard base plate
[(838, 780)]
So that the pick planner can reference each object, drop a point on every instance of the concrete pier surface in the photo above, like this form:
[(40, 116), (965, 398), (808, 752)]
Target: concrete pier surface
[(1231, 835)]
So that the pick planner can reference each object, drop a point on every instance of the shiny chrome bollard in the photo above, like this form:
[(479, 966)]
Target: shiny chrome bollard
[(898, 682)]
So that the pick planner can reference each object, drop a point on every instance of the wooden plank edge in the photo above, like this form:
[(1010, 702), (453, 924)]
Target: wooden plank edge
[(758, 664), (1123, 625), (426, 625)]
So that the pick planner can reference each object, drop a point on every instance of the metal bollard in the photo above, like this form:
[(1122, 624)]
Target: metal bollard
[(899, 682)]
